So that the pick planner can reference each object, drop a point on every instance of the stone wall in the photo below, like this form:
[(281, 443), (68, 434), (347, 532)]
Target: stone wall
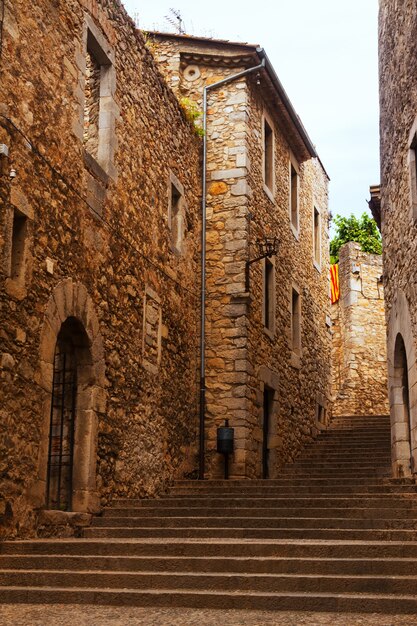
[(86, 237), (243, 357), (359, 358), (398, 125)]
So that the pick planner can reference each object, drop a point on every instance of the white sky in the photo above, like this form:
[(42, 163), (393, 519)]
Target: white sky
[(325, 54)]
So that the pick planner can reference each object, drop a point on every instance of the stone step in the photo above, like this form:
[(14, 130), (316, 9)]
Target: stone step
[(304, 548), (351, 454), (213, 581), (341, 602), (333, 466), (252, 533), (353, 473), (376, 506), (265, 511), (264, 521), (267, 565), (381, 491), (271, 482)]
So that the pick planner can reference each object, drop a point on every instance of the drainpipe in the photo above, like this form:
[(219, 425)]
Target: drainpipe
[(208, 88)]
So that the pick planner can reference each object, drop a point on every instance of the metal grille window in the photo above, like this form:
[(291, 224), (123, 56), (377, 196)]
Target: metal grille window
[(61, 437)]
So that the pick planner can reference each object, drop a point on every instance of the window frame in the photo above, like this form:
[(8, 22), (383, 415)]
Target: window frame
[(96, 44), (293, 167), (268, 155), (317, 239), (269, 296), (296, 326), (177, 247), (412, 169)]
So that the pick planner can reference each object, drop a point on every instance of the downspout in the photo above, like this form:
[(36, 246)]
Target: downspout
[(208, 88)]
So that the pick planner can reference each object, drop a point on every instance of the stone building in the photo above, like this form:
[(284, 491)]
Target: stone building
[(100, 261), (359, 361), (99, 264), (268, 328), (398, 210)]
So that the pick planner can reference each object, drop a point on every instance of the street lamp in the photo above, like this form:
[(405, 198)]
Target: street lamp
[(267, 247)]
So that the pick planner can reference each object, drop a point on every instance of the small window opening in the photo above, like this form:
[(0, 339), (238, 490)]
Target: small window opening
[(268, 155), (18, 244), (266, 427), (294, 197), (321, 414), (177, 221), (316, 236), (269, 295), (92, 104), (296, 321)]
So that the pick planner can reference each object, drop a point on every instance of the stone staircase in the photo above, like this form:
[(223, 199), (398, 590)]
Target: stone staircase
[(333, 533)]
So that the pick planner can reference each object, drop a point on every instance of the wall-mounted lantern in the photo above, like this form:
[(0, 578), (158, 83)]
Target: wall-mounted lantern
[(267, 248)]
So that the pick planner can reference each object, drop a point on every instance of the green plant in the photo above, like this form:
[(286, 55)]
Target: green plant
[(150, 42), (192, 114), (361, 229)]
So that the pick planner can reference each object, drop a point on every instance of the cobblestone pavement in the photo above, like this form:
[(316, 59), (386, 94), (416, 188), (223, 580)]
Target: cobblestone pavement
[(87, 615)]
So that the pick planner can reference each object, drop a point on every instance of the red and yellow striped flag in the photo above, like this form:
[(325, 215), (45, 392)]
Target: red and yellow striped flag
[(334, 283)]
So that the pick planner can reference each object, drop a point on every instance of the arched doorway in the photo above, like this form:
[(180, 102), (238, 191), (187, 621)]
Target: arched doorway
[(402, 390), (71, 351), (71, 362)]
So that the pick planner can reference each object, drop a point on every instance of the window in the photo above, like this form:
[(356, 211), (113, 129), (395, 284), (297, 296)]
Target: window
[(321, 414), (176, 219), (294, 197), (412, 164), (92, 104), (316, 238), (176, 214), (268, 156), (152, 323), (268, 400), (296, 321), (17, 257), (99, 106), (269, 296)]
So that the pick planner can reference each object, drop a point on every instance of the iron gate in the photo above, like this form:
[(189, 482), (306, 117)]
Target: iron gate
[(61, 432)]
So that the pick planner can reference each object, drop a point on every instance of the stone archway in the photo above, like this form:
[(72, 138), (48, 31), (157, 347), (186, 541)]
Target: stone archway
[(70, 307), (402, 383)]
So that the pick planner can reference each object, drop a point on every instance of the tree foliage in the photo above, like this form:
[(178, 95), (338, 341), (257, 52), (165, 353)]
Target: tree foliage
[(361, 229)]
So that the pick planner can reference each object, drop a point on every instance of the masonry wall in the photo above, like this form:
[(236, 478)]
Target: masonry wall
[(359, 361), (398, 106), (96, 248), (242, 356)]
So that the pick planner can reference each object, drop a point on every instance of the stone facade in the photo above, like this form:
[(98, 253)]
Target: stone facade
[(86, 259), (255, 373), (100, 234), (359, 361), (398, 128)]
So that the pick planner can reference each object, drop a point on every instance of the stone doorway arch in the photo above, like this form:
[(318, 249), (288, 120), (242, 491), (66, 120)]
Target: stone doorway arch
[(402, 381), (70, 318)]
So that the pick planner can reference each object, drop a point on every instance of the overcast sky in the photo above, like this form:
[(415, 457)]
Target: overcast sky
[(325, 54)]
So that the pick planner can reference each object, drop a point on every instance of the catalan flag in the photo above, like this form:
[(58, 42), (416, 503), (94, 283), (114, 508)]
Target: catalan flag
[(334, 283)]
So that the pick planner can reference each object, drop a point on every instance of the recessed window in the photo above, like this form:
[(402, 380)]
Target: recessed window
[(176, 214), (296, 321), (294, 197), (92, 104), (412, 162), (321, 414), (99, 106), (268, 155), (17, 256), (269, 296), (316, 238)]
